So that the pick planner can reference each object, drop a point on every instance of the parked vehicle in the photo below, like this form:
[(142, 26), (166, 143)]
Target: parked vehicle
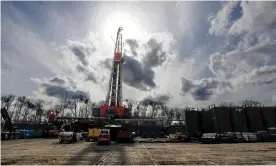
[(93, 134), (104, 137), (114, 131)]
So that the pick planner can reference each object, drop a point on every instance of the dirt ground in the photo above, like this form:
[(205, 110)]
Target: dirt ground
[(48, 151)]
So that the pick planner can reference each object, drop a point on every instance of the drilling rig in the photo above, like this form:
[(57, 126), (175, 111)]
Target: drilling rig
[(113, 104)]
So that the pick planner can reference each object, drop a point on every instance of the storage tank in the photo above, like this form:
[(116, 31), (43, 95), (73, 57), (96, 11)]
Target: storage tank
[(268, 116), (236, 122), (206, 122), (222, 120), (192, 121), (242, 120), (254, 119)]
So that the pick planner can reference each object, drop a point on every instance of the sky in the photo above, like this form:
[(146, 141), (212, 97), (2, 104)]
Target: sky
[(181, 53)]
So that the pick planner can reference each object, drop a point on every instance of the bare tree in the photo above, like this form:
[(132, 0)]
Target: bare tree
[(20, 104), (39, 110), (227, 104), (250, 103), (6, 101)]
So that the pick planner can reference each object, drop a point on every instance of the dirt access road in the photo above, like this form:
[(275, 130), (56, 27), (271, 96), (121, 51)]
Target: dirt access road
[(48, 151)]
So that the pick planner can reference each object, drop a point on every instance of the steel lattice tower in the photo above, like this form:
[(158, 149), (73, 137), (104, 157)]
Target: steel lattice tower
[(114, 94)]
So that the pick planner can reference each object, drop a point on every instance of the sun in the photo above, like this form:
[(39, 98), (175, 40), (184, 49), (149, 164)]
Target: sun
[(131, 26)]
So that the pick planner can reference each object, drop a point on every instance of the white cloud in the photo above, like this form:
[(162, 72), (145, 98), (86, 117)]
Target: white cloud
[(221, 22), (257, 18)]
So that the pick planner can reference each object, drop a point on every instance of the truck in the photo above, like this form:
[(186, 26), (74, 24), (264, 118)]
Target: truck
[(104, 137), (8, 129), (69, 133), (93, 134)]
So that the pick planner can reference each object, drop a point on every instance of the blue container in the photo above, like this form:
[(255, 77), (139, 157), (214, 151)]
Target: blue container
[(96, 112), (25, 133), (37, 134)]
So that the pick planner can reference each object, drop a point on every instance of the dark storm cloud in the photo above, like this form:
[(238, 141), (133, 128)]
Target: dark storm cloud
[(80, 69), (203, 89), (162, 98), (57, 80), (134, 74), (155, 55), (91, 77), (107, 63), (138, 74), (60, 92), (133, 44), (79, 52)]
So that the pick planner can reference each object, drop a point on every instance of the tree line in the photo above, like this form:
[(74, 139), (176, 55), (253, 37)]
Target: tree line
[(23, 108)]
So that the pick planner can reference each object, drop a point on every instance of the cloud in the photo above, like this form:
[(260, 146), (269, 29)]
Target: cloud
[(257, 17), (78, 57), (59, 87), (57, 80), (155, 55), (222, 21), (205, 88), (247, 57), (163, 98), (135, 75), (133, 44), (107, 63), (82, 50), (139, 73)]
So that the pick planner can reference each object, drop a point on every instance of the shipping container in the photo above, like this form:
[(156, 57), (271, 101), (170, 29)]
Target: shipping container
[(254, 119), (192, 121), (222, 119), (30, 133), (206, 122), (268, 116)]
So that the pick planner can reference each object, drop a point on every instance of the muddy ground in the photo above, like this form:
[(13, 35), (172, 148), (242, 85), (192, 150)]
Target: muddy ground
[(48, 151)]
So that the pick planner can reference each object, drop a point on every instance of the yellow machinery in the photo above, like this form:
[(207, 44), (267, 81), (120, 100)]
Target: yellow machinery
[(93, 134)]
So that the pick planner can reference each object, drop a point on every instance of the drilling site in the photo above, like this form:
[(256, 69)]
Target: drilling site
[(214, 136)]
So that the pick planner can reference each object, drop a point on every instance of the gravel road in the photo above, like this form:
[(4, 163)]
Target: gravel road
[(48, 151)]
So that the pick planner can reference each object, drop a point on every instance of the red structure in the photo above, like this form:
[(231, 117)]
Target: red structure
[(51, 117), (112, 111), (113, 105)]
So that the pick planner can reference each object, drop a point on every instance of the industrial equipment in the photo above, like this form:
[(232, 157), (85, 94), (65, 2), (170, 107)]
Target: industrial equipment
[(113, 104), (70, 133), (8, 130)]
